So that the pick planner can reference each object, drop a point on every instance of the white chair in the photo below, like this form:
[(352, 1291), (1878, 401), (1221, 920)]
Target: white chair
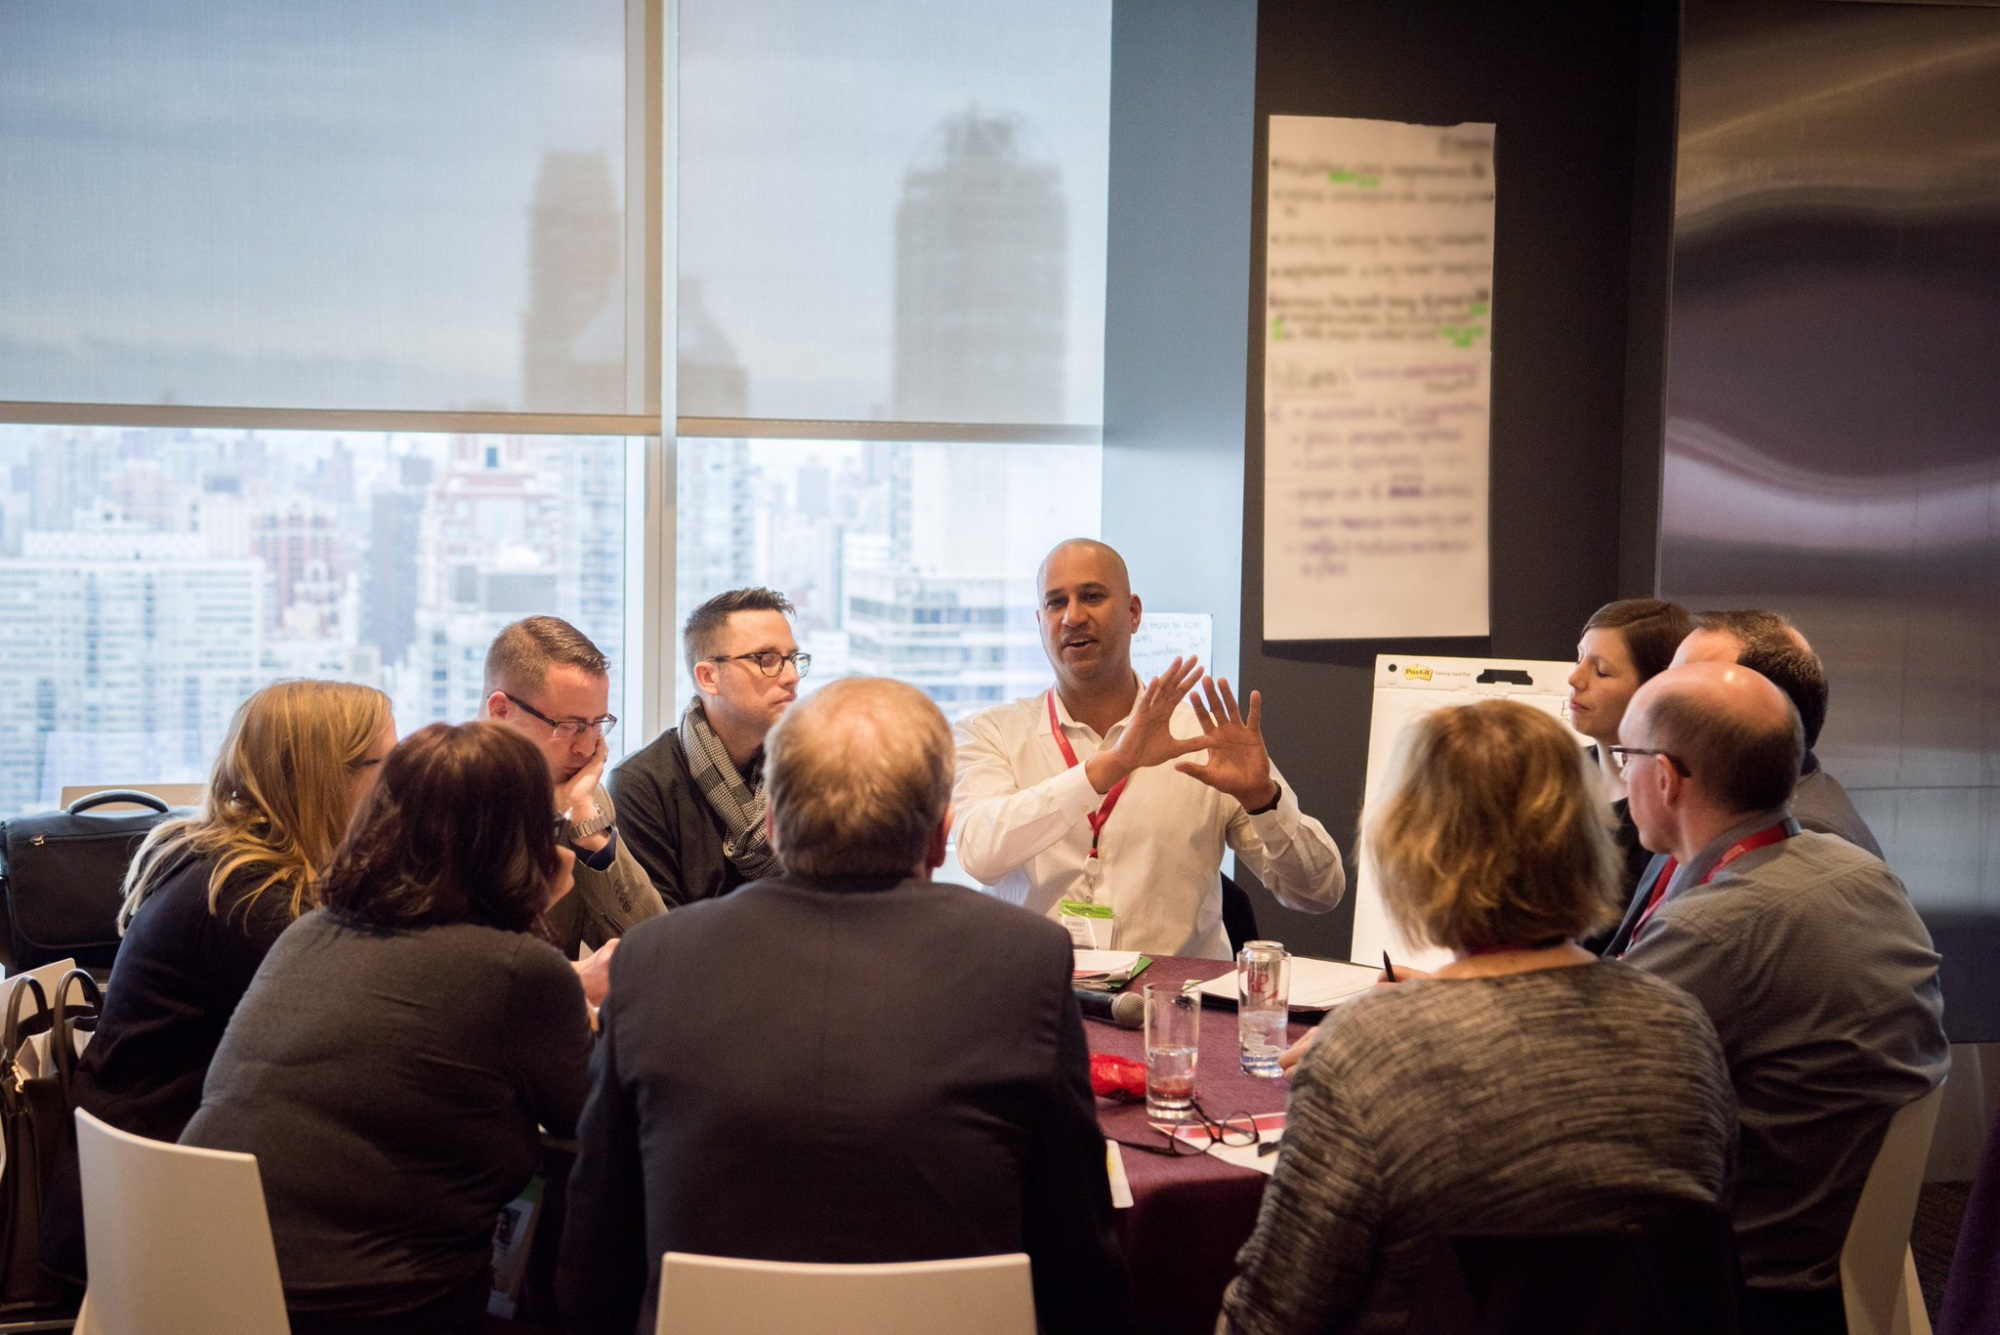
[(1878, 1275), (715, 1295), (178, 1240)]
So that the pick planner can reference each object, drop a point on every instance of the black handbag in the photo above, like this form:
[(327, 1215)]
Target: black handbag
[(62, 876), (38, 1126)]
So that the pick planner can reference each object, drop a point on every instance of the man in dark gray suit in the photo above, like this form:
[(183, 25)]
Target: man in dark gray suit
[(847, 1062)]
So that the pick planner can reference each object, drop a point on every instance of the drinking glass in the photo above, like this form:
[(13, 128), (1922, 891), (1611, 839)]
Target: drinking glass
[(1263, 991), (1173, 1037)]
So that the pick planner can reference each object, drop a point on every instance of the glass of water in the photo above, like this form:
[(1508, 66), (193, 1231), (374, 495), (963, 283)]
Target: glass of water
[(1173, 1036), (1263, 992)]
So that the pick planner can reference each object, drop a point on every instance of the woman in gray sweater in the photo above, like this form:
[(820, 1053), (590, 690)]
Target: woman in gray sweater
[(398, 1050), (1526, 1086)]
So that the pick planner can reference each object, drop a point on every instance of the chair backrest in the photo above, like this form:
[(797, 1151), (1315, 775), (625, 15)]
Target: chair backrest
[(178, 1239), (1672, 1272), (715, 1295), (1872, 1259)]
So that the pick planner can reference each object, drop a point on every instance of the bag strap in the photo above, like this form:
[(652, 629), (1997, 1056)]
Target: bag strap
[(63, 1052), (11, 1035), (110, 795)]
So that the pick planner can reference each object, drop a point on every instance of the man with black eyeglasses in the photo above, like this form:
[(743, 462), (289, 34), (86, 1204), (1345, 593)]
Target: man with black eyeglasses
[(548, 682), (692, 801), (1804, 950)]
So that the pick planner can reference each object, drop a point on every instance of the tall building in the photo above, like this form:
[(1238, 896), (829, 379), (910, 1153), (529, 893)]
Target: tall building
[(981, 279), (299, 543), (395, 513), (573, 336), (981, 264), (514, 526), (126, 654), (717, 542)]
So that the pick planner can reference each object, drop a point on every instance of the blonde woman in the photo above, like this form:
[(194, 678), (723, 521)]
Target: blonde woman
[(207, 896), (1525, 1086)]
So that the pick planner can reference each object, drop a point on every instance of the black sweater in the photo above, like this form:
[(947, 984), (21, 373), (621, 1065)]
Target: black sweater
[(180, 973), (669, 825)]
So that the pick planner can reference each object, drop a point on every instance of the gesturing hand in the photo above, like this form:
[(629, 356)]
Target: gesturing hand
[(1237, 762), (1148, 738)]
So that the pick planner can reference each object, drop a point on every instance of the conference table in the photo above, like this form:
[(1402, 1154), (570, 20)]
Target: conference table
[(1189, 1213)]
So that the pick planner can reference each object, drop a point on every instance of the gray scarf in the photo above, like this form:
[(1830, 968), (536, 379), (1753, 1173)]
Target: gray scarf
[(722, 785)]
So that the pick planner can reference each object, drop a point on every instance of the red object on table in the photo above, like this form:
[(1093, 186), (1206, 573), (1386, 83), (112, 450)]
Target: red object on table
[(1190, 1214)]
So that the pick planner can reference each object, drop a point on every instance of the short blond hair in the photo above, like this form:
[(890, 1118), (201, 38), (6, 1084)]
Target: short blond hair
[(859, 777), (1492, 834)]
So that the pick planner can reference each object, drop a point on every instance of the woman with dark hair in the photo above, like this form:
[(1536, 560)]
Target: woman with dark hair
[(1625, 644), (399, 1050)]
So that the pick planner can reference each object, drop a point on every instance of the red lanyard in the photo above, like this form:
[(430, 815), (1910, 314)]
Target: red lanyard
[(1749, 843), (1103, 812)]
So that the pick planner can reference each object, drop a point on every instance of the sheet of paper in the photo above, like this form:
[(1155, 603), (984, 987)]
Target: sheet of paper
[(1270, 1131), (1317, 985), (1121, 1186), (1164, 636), (1406, 689), (1379, 310), (1104, 961)]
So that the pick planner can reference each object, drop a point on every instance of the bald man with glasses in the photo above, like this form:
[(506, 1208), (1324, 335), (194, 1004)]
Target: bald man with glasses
[(548, 682), (693, 799)]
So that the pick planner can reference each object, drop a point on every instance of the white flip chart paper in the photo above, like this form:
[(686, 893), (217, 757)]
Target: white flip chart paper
[(1379, 309), (1407, 688)]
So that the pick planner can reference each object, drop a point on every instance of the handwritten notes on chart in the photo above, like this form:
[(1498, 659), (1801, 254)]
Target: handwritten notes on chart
[(1379, 309)]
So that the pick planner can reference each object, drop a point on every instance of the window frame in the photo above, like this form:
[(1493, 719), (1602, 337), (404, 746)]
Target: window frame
[(654, 685)]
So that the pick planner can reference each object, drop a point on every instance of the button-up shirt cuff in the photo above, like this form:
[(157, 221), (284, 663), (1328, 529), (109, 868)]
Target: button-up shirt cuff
[(1070, 791), (602, 859)]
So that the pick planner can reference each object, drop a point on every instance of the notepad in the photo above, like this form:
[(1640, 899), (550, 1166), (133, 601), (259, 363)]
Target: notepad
[(1106, 970)]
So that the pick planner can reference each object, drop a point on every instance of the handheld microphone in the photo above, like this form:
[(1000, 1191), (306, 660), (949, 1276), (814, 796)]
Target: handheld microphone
[(1127, 1010)]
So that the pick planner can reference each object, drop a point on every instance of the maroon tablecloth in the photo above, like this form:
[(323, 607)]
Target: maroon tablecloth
[(1190, 1214)]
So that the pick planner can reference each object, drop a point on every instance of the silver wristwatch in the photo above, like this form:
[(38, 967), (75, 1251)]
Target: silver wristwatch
[(595, 825)]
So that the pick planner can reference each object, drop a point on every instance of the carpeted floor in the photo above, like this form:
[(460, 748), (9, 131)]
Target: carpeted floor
[(1933, 1234)]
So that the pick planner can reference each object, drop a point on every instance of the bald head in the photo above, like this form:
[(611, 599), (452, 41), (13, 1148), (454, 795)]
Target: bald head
[(859, 779), (1735, 733), (1101, 559)]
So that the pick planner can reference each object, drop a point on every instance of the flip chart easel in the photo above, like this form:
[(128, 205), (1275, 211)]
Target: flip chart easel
[(1407, 687)]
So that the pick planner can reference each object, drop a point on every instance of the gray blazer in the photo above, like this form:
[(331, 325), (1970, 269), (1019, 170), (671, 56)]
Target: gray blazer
[(605, 903)]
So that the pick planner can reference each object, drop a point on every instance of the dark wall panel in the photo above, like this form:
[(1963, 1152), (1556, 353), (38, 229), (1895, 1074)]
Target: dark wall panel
[(1582, 95), (1833, 436), (1182, 88)]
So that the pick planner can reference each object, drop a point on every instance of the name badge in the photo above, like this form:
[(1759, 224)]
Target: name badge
[(1090, 926)]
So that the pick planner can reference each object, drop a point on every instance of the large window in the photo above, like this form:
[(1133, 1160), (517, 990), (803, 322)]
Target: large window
[(150, 579), (892, 213), (906, 560), (331, 336), (314, 204)]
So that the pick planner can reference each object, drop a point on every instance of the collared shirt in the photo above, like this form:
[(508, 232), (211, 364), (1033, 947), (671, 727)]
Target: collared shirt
[(1823, 987), (1023, 830)]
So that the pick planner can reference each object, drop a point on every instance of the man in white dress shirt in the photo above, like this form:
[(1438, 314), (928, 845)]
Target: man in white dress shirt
[(1103, 795)]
